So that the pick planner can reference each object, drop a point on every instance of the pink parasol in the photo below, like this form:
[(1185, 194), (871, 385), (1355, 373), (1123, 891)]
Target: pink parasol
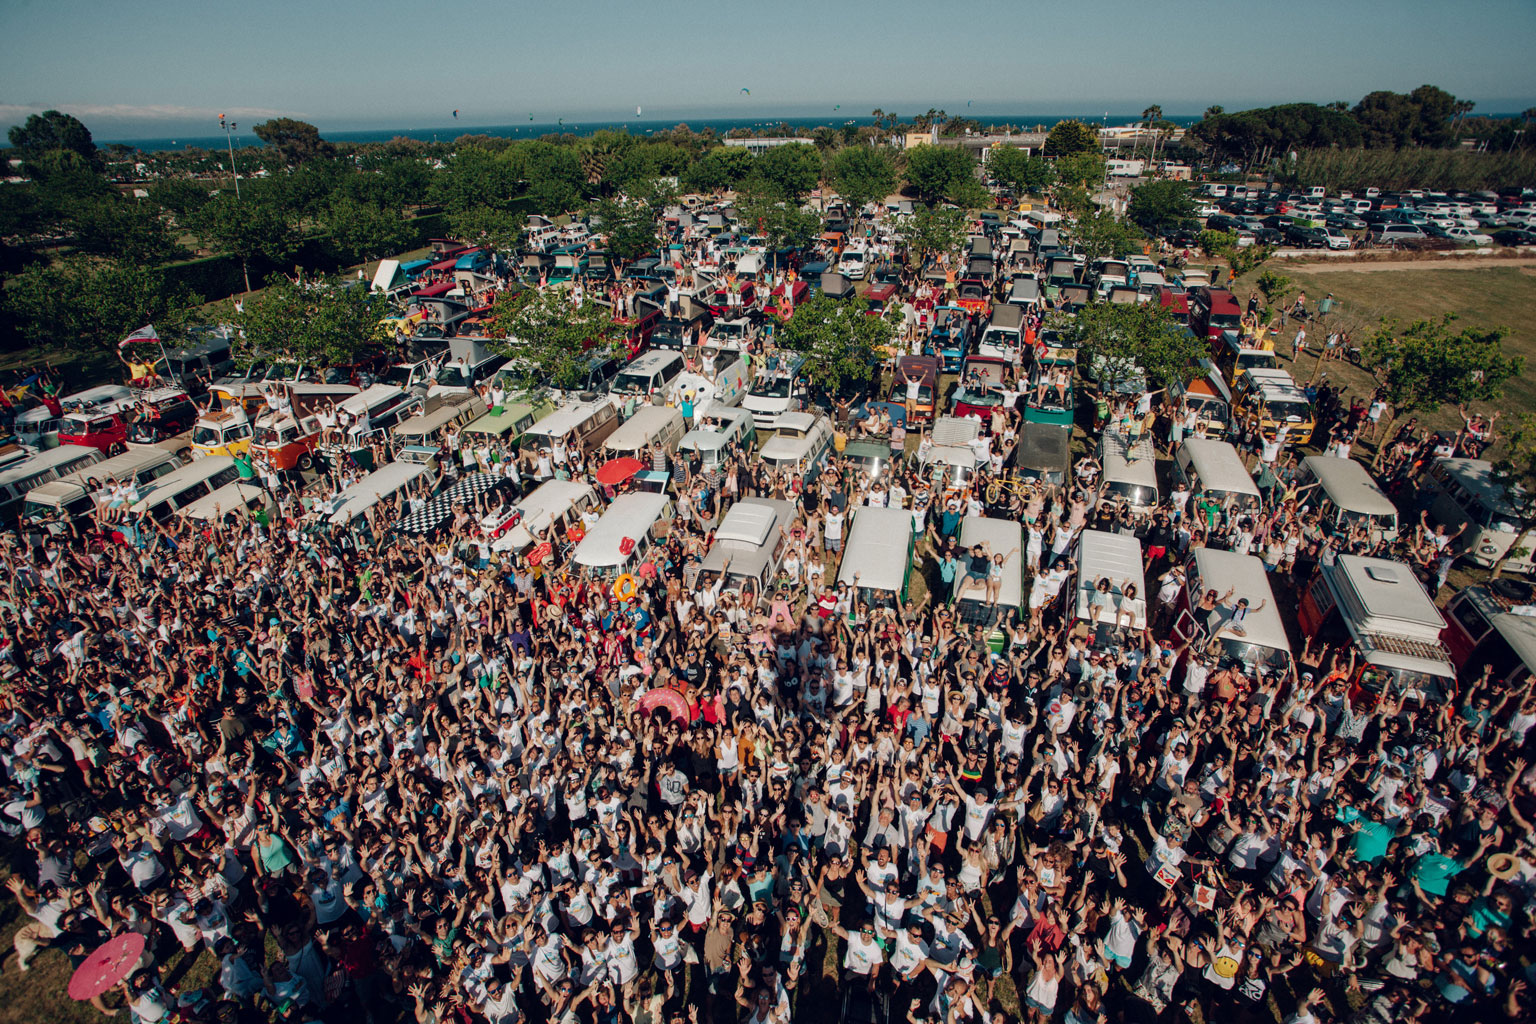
[(112, 962)]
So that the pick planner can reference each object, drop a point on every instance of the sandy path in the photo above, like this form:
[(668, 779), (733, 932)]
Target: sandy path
[(1372, 266)]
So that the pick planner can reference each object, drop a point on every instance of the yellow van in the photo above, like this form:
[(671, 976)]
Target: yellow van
[(1275, 400)]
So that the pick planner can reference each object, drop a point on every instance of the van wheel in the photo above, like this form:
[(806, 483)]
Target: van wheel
[(305, 463)]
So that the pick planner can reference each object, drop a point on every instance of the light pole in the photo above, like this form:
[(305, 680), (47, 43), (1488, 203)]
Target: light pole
[(229, 137)]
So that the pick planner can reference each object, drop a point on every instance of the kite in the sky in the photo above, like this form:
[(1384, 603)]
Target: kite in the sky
[(746, 90), (837, 106), (455, 115), (967, 102)]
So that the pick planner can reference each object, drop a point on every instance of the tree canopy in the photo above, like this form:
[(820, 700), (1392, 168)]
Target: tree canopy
[(83, 302), (942, 172), (1127, 335), (321, 323), (294, 141), (550, 343), (863, 174), (51, 130), (842, 346), (1019, 171), (1068, 137), (787, 172), (1428, 363), (1159, 207)]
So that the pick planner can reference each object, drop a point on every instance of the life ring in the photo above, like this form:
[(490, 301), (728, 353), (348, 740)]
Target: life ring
[(626, 587)]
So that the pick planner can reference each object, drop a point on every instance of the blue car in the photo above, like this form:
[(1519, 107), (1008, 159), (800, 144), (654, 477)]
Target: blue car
[(951, 337)]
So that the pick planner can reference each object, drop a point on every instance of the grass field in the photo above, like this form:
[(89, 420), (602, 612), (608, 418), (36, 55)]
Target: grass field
[(1482, 297)]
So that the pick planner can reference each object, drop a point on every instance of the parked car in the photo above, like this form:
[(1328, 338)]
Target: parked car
[(1383, 234), (1345, 222), (1467, 236), (1514, 236)]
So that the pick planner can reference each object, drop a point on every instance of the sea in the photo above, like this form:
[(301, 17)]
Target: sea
[(637, 126)]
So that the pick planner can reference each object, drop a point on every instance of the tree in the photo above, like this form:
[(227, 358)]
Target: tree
[(321, 323), (843, 347), (783, 225), (1068, 137), (359, 232), (112, 226), (551, 344), (1101, 234), (1118, 337), (1160, 207), (1214, 110), (248, 228), (551, 174), (1019, 171), (1085, 170), (293, 141), (788, 172), (51, 130), (863, 174), (719, 170), (934, 231), (1274, 287), (83, 302), (1424, 365), (630, 227), (476, 178), (940, 172), (494, 229), (1241, 258), (1149, 118), (179, 197)]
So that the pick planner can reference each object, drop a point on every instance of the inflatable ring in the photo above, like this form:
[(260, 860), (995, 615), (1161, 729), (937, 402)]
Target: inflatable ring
[(626, 587)]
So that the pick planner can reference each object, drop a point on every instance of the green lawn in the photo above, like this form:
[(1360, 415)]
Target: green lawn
[(1481, 297)]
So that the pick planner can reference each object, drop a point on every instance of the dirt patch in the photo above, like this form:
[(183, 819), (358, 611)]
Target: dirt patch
[(1367, 266)]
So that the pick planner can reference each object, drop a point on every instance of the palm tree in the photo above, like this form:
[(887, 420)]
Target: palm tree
[(1214, 110), (1459, 114), (1149, 116)]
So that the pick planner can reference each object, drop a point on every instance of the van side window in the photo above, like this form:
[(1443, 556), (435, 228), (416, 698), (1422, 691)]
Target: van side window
[(1470, 619)]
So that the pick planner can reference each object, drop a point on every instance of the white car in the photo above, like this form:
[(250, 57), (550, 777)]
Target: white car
[(1467, 235), (1207, 210)]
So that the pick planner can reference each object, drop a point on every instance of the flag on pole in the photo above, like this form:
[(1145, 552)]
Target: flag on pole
[(145, 333)]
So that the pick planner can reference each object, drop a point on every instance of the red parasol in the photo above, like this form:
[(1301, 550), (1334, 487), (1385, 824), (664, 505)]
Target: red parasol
[(670, 699), (112, 962), (617, 471)]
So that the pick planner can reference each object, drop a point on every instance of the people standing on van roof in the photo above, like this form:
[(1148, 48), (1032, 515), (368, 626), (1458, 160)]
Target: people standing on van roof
[(482, 779)]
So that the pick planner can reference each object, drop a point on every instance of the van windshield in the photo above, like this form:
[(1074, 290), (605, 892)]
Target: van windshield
[(631, 384), (273, 435), (1208, 408), (1290, 410), (1272, 659), (1135, 494), (772, 387), (400, 376)]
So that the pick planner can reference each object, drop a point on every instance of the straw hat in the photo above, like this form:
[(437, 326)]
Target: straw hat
[(1503, 866)]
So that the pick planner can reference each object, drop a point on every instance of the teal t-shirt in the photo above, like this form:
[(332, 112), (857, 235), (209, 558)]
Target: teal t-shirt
[(1371, 841), (1434, 872)]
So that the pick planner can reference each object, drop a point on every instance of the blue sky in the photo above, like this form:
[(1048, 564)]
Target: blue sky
[(168, 66)]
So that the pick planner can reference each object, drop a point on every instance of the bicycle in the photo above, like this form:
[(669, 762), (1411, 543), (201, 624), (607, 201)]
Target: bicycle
[(1008, 484)]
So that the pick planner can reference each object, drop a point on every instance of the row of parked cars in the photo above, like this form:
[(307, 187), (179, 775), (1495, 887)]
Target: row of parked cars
[(1313, 219)]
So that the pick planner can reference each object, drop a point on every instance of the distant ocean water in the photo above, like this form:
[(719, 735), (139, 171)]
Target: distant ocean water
[(638, 126)]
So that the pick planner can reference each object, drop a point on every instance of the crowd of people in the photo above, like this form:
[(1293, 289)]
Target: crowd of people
[(390, 778)]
